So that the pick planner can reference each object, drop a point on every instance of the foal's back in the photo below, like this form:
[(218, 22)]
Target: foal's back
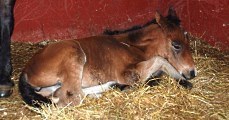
[(102, 58), (106, 58)]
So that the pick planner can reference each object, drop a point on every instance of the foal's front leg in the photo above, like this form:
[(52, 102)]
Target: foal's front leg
[(154, 66)]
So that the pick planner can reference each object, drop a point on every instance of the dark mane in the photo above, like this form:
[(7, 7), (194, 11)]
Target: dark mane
[(173, 20), (137, 27)]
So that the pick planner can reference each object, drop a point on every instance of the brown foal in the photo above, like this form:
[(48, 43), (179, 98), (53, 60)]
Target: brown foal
[(66, 71)]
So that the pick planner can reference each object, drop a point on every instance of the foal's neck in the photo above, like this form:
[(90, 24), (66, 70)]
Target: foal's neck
[(130, 38), (136, 36)]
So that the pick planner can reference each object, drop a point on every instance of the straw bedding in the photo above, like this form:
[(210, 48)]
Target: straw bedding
[(209, 98)]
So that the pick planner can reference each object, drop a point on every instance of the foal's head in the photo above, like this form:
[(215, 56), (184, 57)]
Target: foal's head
[(169, 40)]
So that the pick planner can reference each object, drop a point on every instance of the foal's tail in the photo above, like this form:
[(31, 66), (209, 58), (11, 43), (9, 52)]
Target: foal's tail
[(29, 95)]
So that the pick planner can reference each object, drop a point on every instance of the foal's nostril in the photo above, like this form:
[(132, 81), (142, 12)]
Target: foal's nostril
[(192, 74), (189, 74)]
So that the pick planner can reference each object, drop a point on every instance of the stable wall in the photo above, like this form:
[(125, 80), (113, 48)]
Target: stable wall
[(37, 20)]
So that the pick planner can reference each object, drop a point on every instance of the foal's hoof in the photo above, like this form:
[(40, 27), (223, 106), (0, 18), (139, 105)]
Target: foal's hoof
[(186, 84), (152, 83), (121, 87)]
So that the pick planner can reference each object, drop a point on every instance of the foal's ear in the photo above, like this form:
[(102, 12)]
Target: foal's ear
[(161, 21), (172, 12), (172, 16)]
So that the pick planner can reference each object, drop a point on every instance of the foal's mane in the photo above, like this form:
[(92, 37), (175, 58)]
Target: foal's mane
[(137, 27), (172, 20)]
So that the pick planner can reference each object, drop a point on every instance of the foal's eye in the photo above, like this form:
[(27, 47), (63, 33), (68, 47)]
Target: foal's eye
[(176, 46)]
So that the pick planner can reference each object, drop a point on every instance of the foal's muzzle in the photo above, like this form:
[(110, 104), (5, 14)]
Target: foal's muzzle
[(190, 74)]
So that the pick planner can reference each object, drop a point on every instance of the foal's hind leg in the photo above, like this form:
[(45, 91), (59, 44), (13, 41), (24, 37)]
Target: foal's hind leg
[(69, 93), (71, 89)]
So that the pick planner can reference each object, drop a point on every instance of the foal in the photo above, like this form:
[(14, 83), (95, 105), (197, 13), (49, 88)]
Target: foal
[(65, 71)]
